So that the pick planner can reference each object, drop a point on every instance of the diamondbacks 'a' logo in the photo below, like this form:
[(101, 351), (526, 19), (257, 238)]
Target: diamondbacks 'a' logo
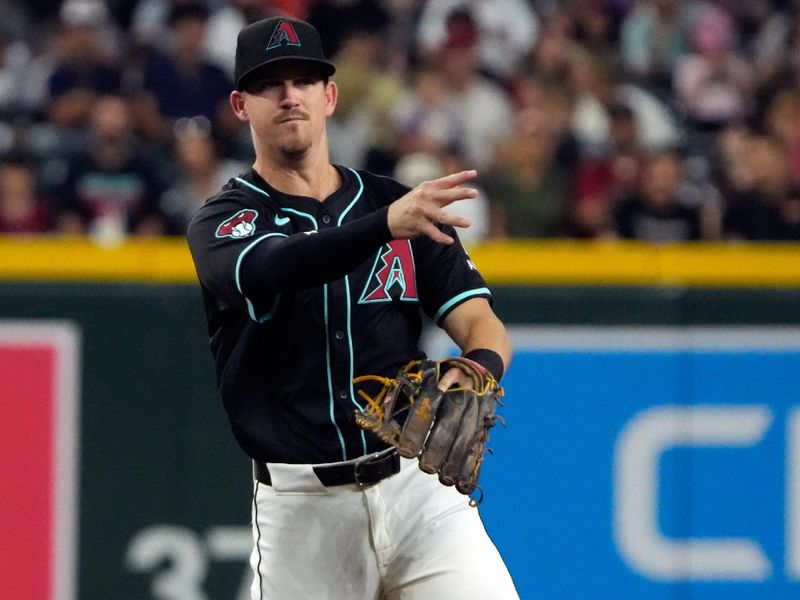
[(392, 274), (240, 225), (284, 34)]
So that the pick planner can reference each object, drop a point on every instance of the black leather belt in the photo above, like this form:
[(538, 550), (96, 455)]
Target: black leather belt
[(363, 472)]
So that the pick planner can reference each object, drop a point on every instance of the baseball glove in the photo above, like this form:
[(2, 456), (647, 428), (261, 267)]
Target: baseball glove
[(447, 430)]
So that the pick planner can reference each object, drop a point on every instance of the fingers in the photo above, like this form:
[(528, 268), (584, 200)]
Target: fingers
[(454, 220), (419, 211), (453, 377), (443, 197), (454, 179), (436, 234), (448, 379), (430, 229)]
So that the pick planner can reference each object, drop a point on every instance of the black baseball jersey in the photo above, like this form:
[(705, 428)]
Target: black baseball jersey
[(302, 296)]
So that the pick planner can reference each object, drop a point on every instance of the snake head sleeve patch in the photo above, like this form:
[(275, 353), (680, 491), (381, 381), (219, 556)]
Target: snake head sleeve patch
[(240, 225)]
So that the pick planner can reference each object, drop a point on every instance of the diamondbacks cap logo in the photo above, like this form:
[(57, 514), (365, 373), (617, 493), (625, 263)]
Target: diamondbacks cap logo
[(284, 34), (240, 225), (392, 274)]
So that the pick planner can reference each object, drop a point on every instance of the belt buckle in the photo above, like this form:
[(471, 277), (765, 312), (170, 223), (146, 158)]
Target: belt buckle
[(357, 469), (357, 473)]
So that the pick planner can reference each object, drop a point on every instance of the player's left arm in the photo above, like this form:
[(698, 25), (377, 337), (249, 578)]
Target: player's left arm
[(474, 327)]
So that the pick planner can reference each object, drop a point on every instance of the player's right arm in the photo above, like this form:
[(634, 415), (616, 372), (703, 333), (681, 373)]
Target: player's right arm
[(245, 259)]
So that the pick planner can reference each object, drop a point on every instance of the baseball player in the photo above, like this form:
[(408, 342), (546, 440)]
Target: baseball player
[(313, 274)]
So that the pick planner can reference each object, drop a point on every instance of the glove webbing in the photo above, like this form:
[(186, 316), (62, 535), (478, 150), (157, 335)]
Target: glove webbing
[(376, 403)]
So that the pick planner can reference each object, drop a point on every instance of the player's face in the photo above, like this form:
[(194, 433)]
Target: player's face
[(287, 107)]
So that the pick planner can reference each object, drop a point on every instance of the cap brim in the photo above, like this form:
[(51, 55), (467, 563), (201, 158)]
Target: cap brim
[(326, 68)]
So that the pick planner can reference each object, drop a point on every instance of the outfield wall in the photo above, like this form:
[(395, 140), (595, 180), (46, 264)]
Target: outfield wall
[(652, 449)]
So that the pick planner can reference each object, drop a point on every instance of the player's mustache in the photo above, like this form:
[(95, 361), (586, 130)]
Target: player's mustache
[(293, 114)]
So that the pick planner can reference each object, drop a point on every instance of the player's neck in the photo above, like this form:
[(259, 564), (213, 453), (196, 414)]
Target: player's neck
[(314, 177)]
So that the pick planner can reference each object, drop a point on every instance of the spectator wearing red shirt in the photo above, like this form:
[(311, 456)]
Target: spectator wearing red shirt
[(21, 209)]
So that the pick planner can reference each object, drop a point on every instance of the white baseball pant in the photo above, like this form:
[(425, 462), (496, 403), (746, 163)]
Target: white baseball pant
[(407, 537)]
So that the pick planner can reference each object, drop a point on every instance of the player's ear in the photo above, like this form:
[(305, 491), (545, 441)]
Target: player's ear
[(331, 94), (239, 105)]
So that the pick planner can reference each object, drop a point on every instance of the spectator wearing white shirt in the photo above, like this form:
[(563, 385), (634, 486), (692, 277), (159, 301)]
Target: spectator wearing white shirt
[(507, 31)]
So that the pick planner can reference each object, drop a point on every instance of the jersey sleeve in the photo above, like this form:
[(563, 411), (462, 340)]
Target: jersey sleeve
[(446, 276), (221, 235)]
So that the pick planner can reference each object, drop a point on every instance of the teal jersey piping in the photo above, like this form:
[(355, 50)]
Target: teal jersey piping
[(347, 290), (355, 198), (327, 344), (251, 310), (352, 359), (455, 300), (325, 293), (251, 186), (330, 375)]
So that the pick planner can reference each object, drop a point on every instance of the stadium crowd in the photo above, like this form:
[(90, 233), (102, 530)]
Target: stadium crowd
[(658, 120)]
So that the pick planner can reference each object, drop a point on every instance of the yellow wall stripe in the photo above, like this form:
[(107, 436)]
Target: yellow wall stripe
[(509, 263)]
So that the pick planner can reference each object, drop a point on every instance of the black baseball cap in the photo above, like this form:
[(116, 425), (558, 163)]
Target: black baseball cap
[(277, 39)]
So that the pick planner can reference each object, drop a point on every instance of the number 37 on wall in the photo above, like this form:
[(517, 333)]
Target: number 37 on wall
[(187, 556)]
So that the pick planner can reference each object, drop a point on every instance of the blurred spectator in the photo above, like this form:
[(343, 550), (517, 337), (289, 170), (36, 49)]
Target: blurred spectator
[(556, 102), (21, 209), (335, 19), (360, 131), (224, 25), (776, 44), (770, 208), (505, 31), (529, 192), (150, 20), (654, 37), (549, 58), (713, 84), (182, 83), (482, 107), (596, 81), (782, 120), (604, 179), (659, 212), (732, 165), (596, 25), (86, 66), (422, 121), (14, 61), (199, 172), (112, 189)]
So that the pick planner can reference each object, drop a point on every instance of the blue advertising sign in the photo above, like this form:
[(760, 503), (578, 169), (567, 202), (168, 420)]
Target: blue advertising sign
[(648, 463)]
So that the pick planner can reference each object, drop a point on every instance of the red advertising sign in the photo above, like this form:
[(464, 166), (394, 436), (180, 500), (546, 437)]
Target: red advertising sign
[(39, 382)]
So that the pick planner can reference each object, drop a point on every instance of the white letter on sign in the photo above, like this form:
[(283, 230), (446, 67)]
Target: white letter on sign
[(793, 494), (636, 482)]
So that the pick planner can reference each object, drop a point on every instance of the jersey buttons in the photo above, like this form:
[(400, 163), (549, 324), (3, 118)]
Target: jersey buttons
[(326, 219), (342, 394), (339, 335)]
